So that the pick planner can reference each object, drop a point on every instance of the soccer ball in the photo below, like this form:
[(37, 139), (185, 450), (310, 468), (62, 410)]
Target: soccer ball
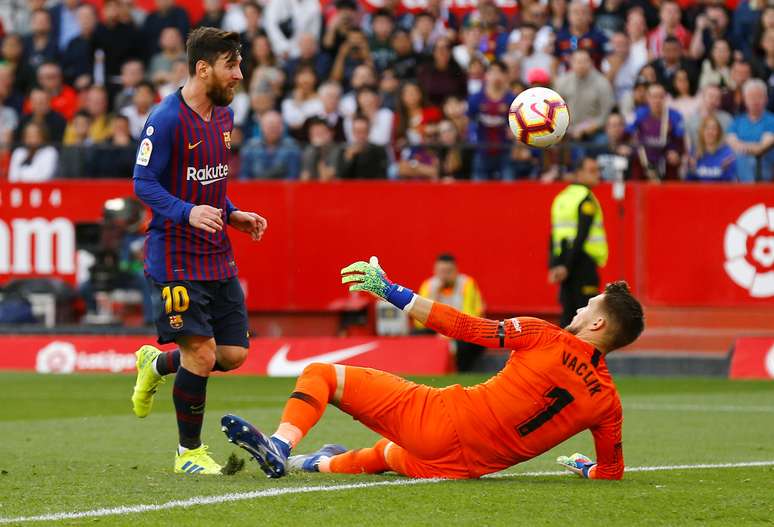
[(539, 117)]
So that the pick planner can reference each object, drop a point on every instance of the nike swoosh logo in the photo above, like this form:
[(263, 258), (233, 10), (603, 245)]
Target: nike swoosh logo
[(211, 181), (192, 146), (533, 107), (280, 366)]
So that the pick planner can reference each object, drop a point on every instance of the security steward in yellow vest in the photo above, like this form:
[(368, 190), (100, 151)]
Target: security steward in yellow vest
[(578, 242)]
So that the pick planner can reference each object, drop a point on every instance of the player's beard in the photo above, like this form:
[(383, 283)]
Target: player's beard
[(220, 95)]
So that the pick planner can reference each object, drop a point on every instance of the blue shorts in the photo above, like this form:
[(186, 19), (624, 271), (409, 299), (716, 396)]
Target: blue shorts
[(213, 308)]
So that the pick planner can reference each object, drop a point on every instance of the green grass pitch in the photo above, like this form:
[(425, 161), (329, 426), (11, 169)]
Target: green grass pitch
[(71, 444)]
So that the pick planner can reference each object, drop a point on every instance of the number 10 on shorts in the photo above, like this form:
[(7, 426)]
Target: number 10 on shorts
[(175, 298)]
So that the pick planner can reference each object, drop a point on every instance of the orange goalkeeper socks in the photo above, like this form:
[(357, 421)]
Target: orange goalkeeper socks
[(361, 461), (314, 389)]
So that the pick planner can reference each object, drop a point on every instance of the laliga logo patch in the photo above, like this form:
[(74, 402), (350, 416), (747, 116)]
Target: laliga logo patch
[(749, 249), (144, 153), (176, 321), (227, 139), (57, 357)]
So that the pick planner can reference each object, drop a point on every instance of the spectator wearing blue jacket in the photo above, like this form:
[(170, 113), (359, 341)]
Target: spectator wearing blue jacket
[(751, 134), (712, 159)]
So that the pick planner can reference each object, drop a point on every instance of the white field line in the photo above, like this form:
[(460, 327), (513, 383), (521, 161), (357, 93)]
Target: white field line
[(241, 496), (698, 407)]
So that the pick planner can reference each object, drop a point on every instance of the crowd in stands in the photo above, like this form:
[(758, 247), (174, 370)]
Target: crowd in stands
[(337, 89)]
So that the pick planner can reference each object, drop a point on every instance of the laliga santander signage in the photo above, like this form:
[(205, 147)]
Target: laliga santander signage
[(749, 249)]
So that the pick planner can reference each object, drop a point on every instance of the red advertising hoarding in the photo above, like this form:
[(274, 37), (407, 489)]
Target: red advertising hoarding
[(753, 358)]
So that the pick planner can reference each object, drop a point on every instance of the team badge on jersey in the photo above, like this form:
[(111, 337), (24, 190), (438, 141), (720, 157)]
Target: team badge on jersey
[(144, 154), (227, 139), (176, 321)]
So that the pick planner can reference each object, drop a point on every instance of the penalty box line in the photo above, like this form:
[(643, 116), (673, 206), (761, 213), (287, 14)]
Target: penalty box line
[(267, 493)]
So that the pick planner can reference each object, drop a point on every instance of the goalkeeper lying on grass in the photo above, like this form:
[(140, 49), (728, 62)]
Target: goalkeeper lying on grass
[(554, 385)]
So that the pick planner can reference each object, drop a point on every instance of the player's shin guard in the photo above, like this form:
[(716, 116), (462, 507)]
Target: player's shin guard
[(315, 388), (361, 461), (168, 362), (189, 395)]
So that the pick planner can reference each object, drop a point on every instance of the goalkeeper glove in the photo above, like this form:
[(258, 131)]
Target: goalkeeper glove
[(370, 277), (577, 463)]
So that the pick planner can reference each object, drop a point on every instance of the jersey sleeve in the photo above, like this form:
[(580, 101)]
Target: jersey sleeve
[(152, 163), (608, 445), (514, 333)]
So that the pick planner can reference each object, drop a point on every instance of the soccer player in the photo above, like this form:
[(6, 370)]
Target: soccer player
[(554, 385), (181, 173)]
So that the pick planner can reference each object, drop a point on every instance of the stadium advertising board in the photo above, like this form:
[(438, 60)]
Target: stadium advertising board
[(277, 357), (753, 358), (678, 244)]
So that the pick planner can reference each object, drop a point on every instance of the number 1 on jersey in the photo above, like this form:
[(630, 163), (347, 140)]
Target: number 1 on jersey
[(560, 398)]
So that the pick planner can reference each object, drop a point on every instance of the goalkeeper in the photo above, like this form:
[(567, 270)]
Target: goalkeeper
[(554, 385)]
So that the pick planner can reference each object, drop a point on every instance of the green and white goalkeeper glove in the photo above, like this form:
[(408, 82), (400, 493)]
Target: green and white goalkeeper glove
[(370, 277), (577, 463)]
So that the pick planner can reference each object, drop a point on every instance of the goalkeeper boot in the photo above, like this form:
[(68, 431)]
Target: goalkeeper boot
[(196, 461), (147, 380), (311, 462), (270, 453)]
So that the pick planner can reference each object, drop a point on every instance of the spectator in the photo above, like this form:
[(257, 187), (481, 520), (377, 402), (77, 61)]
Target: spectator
[(657, 133), (63, 98), (9, 98), (684, 99), (406, 62), (588, 95), (167, 15), (670, 61), (621, 66), (469, 47), (711, 25), (747, 16), (379, 41), (97, 106), (764, 64), (455, 110), (610, 17), (751, 134), (380, 119), (9, 120), (40, 112), (442, 77), (558, 15), (252, 13), (177, 77), (12, 57), (64, 22), (488, 113), (321, 154), (527, 54), (363, 75), (121, 41), (455, 161), (424, 33), (137, 113), (272, 156), (352, 53), (712, 159), (35, 160), (389, 86), (78, 57), (261, 101), (114, 157), (765, 24), (132, 73), (412, 115), (302, 103), (669, 26), (172, 49), (237, 15), (579, 34), (536, 15), (361, 159), (716, 69), (213, 14), (420, 161), (72, 157), (20, 19), (494, 41), (709, 106), (286, 20), (613, 151), (309, 57), (339, 25), (330, 96), (637, 31), (733, 101), (40, 45)]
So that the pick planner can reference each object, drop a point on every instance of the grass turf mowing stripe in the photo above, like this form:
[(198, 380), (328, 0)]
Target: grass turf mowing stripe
[(241, 496), (699, 408)]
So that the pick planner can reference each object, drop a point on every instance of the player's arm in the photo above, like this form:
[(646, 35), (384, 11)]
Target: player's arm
[(609, 449), (369, 276), (153, 156)]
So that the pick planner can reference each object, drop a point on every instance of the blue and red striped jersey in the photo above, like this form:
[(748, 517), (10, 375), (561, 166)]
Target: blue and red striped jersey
[(182, 161)]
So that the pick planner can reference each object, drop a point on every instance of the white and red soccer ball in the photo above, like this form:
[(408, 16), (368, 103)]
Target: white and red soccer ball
[(538, 117)]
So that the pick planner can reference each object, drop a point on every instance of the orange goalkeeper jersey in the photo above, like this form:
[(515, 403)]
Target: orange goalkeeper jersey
[(553, 386)]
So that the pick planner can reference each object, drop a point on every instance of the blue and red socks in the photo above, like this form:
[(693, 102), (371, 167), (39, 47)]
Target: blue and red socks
[(189, 395)]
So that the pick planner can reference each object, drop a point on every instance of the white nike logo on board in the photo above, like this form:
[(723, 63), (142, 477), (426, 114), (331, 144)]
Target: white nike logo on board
[(280, 366)]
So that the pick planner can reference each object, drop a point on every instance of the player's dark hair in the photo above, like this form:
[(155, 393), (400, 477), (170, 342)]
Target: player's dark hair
[(208, 44), (446, 257), (624, 313)]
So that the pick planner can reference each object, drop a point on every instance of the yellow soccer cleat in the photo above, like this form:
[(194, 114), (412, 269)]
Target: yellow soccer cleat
[(147, 380), (196, 461)]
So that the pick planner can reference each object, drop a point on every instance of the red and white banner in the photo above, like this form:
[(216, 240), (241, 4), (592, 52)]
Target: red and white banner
[(277, 357), (753, 358)]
